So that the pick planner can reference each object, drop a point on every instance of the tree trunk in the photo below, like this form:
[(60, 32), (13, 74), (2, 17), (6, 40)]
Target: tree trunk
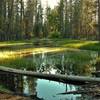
[(99, 19)]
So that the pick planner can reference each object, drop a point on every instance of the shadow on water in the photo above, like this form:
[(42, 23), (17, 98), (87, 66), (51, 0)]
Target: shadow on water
[(69, 63)]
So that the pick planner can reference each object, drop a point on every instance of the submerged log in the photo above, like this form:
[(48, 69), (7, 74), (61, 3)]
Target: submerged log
[(58, 77)]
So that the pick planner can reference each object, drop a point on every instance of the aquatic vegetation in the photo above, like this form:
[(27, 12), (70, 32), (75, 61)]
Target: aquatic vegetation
[(19, 63)]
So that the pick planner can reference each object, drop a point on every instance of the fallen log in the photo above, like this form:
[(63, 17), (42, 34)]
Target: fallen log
[(58, 77), (80, 92), (97, 73)]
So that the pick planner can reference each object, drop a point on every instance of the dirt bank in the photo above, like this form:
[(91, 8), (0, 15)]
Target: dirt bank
[(5, 96)]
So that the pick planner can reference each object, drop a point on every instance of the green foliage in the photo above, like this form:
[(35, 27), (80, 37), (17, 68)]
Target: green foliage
[(55, 35), (25, 19)]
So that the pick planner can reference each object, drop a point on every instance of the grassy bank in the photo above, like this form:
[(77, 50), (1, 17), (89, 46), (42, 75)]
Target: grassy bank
[(77, 44), (80, 44)]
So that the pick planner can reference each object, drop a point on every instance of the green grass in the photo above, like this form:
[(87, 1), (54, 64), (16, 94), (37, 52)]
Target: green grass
[(14, 43), (80, 44), (18, 63), (77, 44)]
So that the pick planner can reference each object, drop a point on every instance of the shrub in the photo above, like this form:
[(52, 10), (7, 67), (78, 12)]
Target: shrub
[(54, 35)]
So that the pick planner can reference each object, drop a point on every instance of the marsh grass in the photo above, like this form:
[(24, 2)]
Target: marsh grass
[(19, 63), (67, 43), (17, 58)]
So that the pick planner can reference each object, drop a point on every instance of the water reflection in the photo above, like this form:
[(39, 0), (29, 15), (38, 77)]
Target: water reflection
[(49, 90), (43, 89), (69, 62), (77, 62), (29, 85)]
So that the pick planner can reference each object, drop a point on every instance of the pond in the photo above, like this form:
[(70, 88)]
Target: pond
[(50, 90), (56, 61)]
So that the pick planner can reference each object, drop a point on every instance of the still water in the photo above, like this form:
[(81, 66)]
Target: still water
[(50, 90), (71, 62), (66, 62)]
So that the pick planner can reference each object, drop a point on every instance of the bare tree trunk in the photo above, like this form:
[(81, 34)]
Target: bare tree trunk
[(99, 19)]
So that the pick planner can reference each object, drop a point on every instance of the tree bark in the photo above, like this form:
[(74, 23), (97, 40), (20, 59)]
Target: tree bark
[(99, 19)]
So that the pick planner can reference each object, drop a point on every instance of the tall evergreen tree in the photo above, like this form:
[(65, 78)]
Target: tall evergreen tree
[(38, 27), (29, 17), (61, 16)]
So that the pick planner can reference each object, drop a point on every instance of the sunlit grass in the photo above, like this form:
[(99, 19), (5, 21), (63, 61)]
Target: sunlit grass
[(66, 43), (58, 47), (79, 44), (3, 44), (24, 52)]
